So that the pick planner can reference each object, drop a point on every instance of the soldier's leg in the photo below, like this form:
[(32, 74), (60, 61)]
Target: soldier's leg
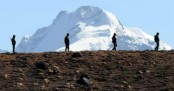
[(157, 45)]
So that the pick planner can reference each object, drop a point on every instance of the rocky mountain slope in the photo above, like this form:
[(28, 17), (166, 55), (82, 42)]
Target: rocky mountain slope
[(90, 28), (106, 70)]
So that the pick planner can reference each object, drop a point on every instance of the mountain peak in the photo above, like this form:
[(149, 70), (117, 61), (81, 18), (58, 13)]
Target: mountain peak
[(88, 11), (89, 8), (90, 28)]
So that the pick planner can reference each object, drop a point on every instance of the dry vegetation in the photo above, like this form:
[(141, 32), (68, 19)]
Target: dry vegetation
[(108, 71)]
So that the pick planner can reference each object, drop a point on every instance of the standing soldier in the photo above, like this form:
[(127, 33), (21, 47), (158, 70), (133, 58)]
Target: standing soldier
[(157, 40), (67, 42), (114, 41), (13, 41)]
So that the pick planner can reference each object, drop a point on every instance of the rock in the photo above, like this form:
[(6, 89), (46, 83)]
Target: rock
[(77, 71), (140, 72), (122, 86), (47, 55), (59, 77), (50, 70), (72, 86), (21, 79), (22, 74), (104, 63), (76, 55), (130, 64), (41, 75), (129, 86), (56, 67), (20, 70), (6, 76), (46, 81), (139, 77), (84, 80), (43, 88), (38, 74), (36, 84), (41, 65), (125, 82), (53, 71), (19, 84), (153, 62), (122, 67), (148, 71)]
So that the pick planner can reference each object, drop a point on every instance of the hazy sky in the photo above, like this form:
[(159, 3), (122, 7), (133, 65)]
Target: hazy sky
[(24, 17)]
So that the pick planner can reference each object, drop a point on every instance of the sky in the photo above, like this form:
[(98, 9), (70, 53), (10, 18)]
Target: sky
[(25, 17)]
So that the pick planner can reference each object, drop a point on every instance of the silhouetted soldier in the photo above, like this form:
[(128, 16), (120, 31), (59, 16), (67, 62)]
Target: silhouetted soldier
[(67, 42), (157, 40), (13, 41), (114, 41)]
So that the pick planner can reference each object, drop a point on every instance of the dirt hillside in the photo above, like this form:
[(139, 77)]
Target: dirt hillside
[(106, 71)]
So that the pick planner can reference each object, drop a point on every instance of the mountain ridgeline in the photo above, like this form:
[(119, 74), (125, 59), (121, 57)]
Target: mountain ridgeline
[(90, 28)]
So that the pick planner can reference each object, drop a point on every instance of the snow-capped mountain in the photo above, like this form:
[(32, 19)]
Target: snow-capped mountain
[(90, 28), (2, 51)]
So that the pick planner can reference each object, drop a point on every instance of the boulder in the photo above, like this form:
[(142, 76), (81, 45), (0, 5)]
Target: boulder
[(84, 80), (76, 55), (41, 65)]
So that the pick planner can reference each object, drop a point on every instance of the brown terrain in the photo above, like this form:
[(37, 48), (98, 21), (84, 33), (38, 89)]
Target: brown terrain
[(107, 71)]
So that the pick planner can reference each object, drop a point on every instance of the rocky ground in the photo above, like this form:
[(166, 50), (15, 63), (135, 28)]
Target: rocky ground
[(105, 70)]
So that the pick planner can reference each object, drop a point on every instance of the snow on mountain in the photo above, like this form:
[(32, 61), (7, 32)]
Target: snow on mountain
[(3, 51), (90, 28)]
